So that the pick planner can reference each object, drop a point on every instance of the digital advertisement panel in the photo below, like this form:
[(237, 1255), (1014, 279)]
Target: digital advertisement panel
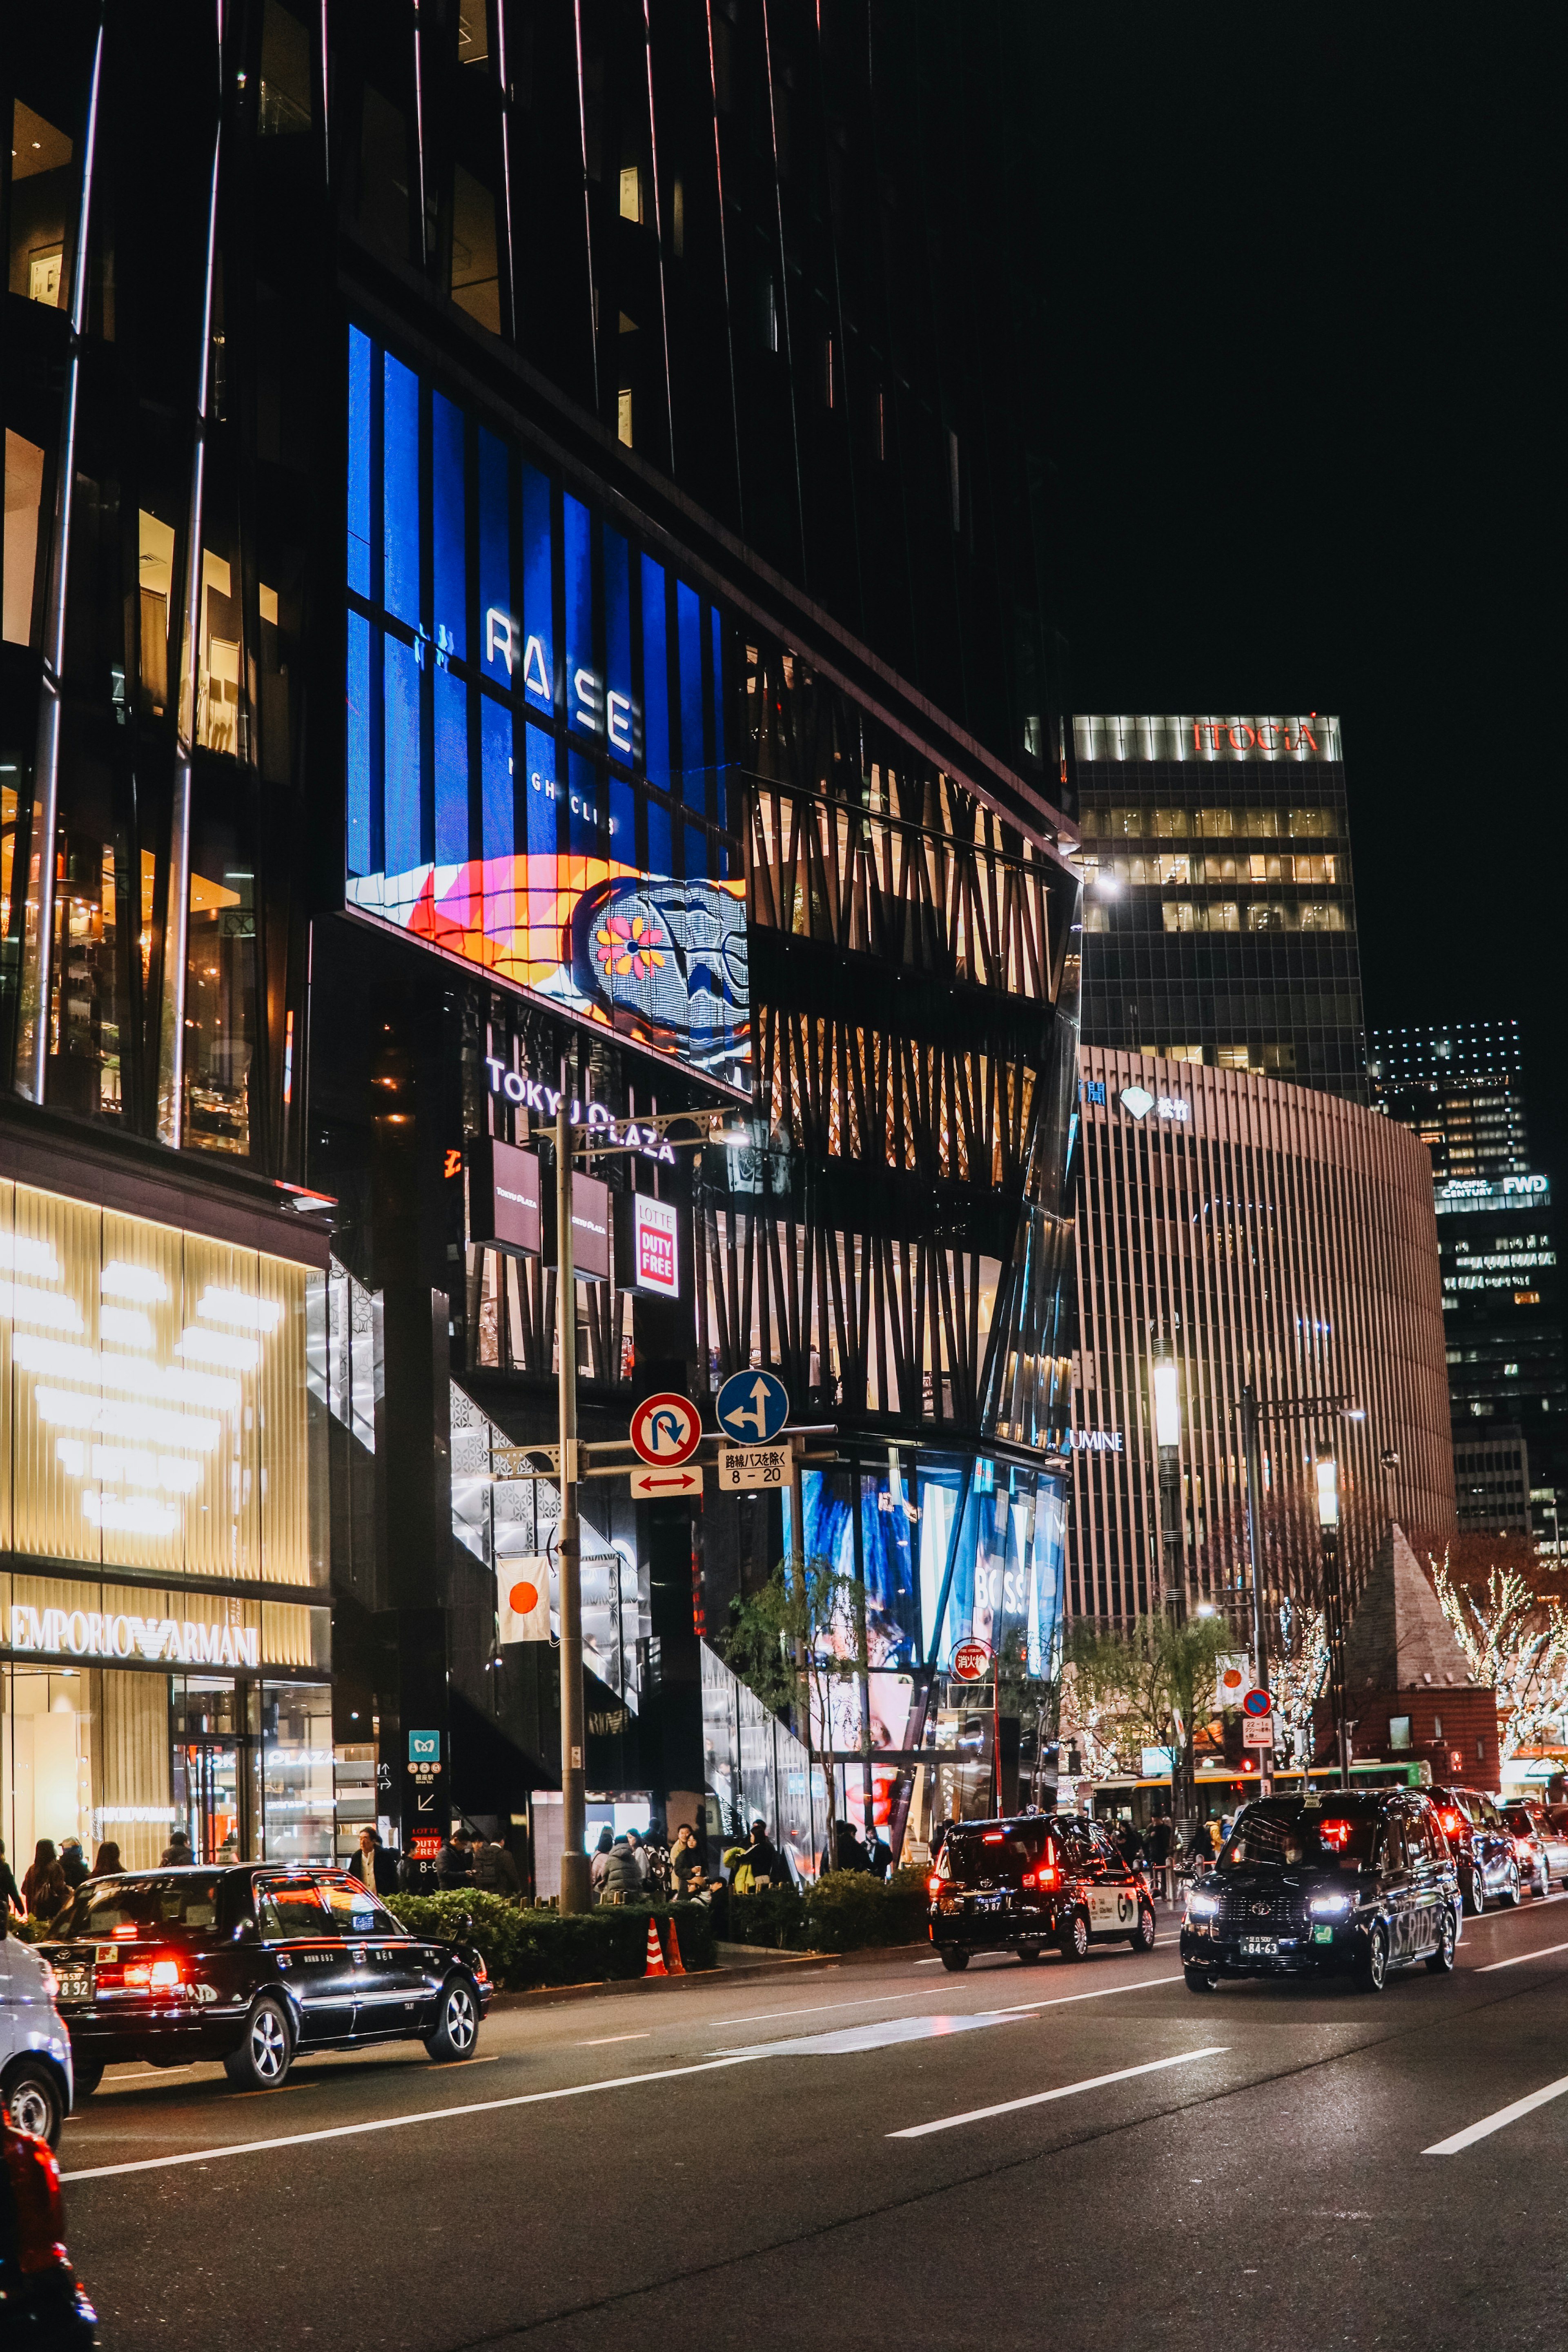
[(154, 1396), (537, 777)]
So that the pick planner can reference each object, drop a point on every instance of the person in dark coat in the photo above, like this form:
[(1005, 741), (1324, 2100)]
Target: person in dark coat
[(767, 1864), (599, 1861), (623, 1879), (495, 1869), (850, 1854), (1129, 1843), (73, 1862), (44, 1889), (372, 1865), (176, 1854), (879, 1855), (10, 1893), (455, 1862), (109, 1865)]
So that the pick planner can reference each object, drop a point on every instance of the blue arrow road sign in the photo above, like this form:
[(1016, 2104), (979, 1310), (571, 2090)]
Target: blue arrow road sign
[(752, 1407)]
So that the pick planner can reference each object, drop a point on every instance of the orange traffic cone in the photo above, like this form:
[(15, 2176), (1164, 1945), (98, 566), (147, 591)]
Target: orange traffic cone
[(676, 1967), (655, 1966)]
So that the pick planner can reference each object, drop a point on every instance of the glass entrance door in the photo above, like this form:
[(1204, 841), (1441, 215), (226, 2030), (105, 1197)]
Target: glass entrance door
[(206, 1797)]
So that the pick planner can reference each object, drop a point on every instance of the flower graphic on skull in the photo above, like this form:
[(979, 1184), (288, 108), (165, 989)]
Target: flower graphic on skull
[(627, 944)]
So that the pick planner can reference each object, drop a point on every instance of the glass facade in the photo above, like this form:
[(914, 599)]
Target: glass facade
[(1219, 916)]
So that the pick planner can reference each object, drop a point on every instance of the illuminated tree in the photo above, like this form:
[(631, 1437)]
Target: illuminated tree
[(1516, 1643)]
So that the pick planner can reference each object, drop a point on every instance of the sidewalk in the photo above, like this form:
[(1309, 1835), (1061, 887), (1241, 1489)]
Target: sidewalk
[(738, 1963)]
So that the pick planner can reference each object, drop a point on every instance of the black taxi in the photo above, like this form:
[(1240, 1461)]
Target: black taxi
[(252, 1964), (1045, 1882), (1354, 1881)]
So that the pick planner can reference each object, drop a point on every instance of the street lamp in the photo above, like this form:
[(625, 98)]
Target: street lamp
[(1164, 1383), (1328, 1479)]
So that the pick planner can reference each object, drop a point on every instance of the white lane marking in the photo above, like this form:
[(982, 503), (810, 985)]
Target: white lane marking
[(1101, 1992), (926, 1964), (397, 2123), (1067, 2090), (876, 2033), (816, 2008), (1489, 2124), (1519, 1958), (603, 2040)]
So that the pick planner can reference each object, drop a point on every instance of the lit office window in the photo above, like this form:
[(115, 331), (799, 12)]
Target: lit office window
[(476, 285), (40, 200), (284, 110)]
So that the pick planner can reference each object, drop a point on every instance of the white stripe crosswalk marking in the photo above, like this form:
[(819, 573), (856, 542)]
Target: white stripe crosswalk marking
[(1066, 2090)]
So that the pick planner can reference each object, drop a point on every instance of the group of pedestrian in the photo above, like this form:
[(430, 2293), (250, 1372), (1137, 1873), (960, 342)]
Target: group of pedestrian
[(467, 1860), (848, 1851), (50, 1882)]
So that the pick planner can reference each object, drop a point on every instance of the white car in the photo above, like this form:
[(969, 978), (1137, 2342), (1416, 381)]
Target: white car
[(36, 2084)]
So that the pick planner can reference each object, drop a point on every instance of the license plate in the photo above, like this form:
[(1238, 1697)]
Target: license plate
[(73, 1985), (1260, 1947)]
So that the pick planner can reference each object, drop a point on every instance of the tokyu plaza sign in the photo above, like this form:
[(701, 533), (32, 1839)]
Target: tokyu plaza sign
[(89, 1634)]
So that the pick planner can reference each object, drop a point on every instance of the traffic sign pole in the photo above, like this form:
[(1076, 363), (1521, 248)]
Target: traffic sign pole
[(575, 1884)]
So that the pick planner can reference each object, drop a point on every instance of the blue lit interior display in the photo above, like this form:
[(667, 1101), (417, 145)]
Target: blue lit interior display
[(534, 748)]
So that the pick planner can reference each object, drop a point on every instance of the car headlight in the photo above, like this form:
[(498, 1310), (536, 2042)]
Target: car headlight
[(1332, 1906), (1202, 1906)]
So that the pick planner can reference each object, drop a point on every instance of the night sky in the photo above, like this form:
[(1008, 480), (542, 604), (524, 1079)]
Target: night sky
[(1310, 272)]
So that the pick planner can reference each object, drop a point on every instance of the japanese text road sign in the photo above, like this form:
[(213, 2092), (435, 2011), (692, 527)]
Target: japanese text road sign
[(743, 1469)]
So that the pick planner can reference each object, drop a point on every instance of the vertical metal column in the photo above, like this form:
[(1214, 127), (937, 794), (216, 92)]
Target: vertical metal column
[(1252, 1456), (575, 1888), (38, 919)]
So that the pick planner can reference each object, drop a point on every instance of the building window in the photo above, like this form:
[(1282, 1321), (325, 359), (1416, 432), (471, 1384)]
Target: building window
[(476, 285), (41, 192), (768, 314), (624, 416), (631, 192), (1399, 1731), (384, 207), (879, 425), (24, 495), (678, 220), (828, 383), (284, 110), (473, 33)]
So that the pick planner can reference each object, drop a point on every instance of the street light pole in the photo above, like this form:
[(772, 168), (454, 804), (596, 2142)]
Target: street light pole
[(1165, 1384), (574, 1883), (1252, 1453), (1333, 1607)]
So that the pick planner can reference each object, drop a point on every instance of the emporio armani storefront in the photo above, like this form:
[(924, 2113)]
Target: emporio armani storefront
[(165, 1657)]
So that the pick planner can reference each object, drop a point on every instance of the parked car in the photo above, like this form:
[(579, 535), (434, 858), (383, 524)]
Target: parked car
[(43, 2303), (1047, 1882), (252, 1964), (1528, 1847), (36, 2079), (1341, 1881), (1481, 1844), (1550, 1826)]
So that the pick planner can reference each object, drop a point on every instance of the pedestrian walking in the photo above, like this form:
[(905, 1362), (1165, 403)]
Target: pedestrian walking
[(848, 1852), (639, 1854), (10, 1893), (600, 1861), (176, 1854), (761, 1864), (686, 1873), (495, 1870), (373, 1867), (879, 1855), (623, 1880), (109, 1865), (73, 1862), (44, 1889), (455, 1862)]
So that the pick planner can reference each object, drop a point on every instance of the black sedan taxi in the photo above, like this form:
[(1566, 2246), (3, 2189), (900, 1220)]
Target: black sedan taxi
[(1048, 1882), (1341, 1881), (252, 1965)]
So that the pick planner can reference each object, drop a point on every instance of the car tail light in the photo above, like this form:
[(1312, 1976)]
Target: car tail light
[(1047, 1875), (1335, 1834), (935, 1884), (992, 1837), (154, 1975), (40, 2210), (1451, 1823)]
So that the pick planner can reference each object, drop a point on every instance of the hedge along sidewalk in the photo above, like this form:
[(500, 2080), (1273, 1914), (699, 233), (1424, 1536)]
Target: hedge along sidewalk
[(527, 1949)]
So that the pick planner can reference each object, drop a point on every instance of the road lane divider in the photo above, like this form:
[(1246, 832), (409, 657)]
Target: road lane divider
[(1066, 2090), (1517, 1959), (397, 2123), (1496, 2123)]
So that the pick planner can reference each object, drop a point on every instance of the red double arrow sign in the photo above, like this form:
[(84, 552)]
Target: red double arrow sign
[(658, 1482)]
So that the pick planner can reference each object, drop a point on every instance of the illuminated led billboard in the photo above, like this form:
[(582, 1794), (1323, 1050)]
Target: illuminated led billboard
[(153, 1387), (537, 779)]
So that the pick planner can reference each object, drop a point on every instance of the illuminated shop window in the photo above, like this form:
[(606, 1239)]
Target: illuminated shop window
[(23, 493)]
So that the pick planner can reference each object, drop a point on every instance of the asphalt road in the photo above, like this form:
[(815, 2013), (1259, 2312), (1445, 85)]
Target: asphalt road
[(873, 2154)]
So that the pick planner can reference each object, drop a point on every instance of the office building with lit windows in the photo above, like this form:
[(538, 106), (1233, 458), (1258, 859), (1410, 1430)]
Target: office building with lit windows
[(524, 529), (1459, 1086), (1241, 1229), (1219, 913)]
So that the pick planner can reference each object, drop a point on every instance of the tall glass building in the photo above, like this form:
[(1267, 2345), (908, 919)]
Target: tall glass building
[(1219, 916), (522, 574)]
